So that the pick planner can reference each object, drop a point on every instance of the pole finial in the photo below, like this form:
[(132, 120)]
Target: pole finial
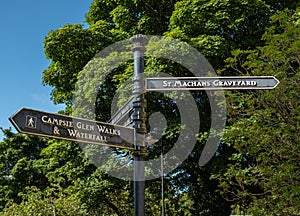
[(139, 42)]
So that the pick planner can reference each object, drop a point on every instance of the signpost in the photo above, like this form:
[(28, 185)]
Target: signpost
[(124, 115), (211, 83), (74, 129), (131, 114)]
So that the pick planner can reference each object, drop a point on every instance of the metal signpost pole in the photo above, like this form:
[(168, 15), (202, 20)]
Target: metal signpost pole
[(139, 104)]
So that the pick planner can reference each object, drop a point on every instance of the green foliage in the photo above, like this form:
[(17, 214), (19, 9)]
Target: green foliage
[(146, 17), (65, 163), (52, 201), (217, 27), (256, 168), (102, 193), (263, 175), (18, 165), (70, 48)]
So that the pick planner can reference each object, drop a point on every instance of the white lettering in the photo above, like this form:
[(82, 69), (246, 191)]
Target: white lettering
[(219, 83), (216, 83), (72, 133), (44, 119), (86, 136), (83, 126), (165, 83), (177, 83), (57, 122), (111, 131)]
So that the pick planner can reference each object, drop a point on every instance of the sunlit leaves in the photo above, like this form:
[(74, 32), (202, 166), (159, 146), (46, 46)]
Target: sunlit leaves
[(264, 174)]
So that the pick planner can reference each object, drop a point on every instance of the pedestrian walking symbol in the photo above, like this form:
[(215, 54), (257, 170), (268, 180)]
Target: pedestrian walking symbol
[(30, 121)]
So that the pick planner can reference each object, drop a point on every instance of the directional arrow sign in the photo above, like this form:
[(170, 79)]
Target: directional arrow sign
[(123, 115), (75, 129), (211, 83)]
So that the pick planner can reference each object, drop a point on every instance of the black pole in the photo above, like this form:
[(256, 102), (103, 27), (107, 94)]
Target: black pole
[(139, 117)]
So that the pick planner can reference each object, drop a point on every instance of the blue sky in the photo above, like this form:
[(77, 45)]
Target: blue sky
[(24, 24)]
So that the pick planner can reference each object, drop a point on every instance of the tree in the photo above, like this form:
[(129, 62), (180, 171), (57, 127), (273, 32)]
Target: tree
[(262, 177), (52, 201), (18, 168), (216, 28)]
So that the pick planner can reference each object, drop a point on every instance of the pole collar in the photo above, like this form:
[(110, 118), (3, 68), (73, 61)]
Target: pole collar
[(139, 42)]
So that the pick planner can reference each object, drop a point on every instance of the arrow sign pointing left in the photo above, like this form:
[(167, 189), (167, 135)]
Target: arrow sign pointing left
[(74, 129), (123, 115)]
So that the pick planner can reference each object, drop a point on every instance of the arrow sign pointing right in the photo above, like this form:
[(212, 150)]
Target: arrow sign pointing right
[(211, 83)]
